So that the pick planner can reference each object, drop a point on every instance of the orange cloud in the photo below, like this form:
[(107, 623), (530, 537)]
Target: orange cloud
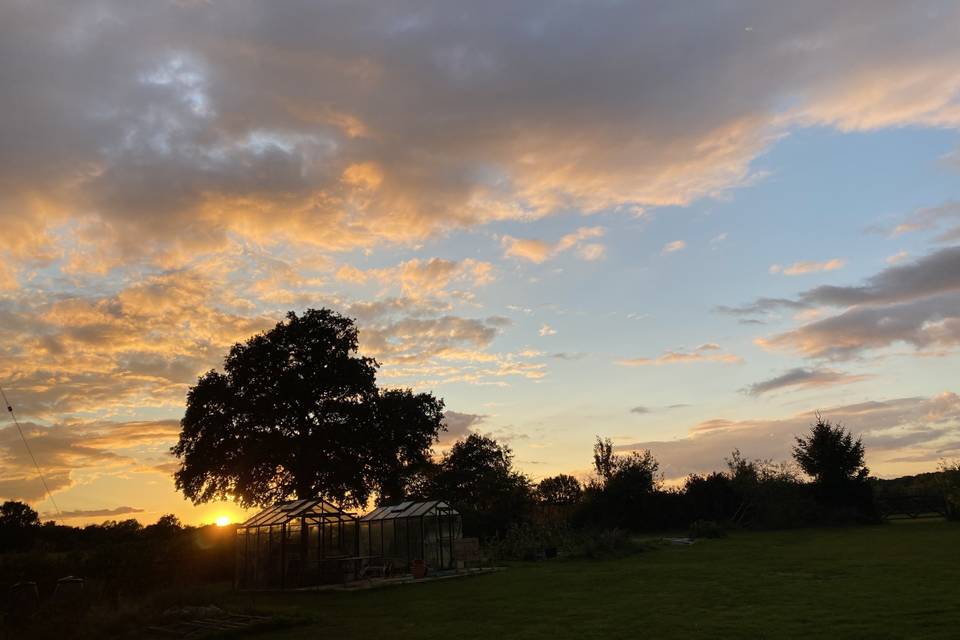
[(709, 352), (805, 267), (539, 251)]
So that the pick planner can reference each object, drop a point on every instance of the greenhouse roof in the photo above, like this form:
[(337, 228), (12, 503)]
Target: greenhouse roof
[(314, 508), (409, 509)]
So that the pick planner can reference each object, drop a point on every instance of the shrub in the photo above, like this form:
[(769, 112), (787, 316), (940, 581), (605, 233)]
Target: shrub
[(529, 541), (950, 473), (706, 529)]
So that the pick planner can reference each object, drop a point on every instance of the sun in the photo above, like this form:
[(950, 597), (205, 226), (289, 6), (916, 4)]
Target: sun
[(222, 521)]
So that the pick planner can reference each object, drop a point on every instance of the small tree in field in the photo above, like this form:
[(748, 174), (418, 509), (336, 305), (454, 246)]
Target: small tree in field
[(830, 455), (834, 460)]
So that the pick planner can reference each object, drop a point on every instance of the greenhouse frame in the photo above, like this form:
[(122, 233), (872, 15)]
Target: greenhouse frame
[(402, 533), (297, 544)]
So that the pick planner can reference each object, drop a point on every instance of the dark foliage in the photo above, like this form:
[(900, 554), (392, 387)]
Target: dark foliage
[(120, 560), (835, 462), (18, 522), (477, 476), (561, 489), (625, 494), (297, 412), (830, 455), (950, 485)]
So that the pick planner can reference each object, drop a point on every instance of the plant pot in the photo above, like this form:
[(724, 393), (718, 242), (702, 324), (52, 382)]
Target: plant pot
[(419, 569)]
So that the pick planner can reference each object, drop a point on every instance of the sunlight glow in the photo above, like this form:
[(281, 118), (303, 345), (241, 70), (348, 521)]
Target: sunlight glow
[(222, 521)]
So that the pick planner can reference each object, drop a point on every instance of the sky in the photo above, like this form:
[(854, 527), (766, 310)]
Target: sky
[(683, 226)]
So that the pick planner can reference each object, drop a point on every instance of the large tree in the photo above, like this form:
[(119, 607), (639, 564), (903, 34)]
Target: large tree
[(297, 413)]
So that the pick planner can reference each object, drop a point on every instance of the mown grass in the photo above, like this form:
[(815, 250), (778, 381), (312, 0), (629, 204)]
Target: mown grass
[(894, 581)]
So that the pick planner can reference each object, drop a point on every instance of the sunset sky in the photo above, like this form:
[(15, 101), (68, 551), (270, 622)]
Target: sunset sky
[(681, 226)]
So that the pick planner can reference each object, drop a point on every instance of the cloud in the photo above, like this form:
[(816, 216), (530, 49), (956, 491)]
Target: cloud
[(351, 126), (564, 355), (539, 251), (930, 218), (419, 278), (917, 303), (804, 379), (920, 427), (935, 273), (672, 247), (803, 268), (762, 306), (924, 324), (65, 448), (639, 409), (898, 257), (93, 513), (459, 425), (592, 251), (547, 330), (709, 352)]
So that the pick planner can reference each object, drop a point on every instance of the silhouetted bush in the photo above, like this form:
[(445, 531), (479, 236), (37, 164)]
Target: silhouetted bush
[(950, 484), (706, 529)]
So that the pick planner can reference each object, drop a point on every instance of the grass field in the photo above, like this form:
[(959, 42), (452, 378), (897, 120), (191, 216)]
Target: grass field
[(895, 581)]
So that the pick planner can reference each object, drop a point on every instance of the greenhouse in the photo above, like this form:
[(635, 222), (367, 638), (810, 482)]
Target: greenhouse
[(297, 544), (402, 533)]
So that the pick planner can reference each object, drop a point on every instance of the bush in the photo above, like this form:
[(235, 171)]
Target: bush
[(950, 473), (538, 542), (707, 529)]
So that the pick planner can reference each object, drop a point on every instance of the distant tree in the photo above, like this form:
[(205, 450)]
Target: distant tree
[(639, 471), (478, 477), (949, 473), (297, 412), (710, 497), (165, 525), (830, 455), (604, 459), (559, 489), (638, 468), (18, 515), (835, 462), (622, 495)]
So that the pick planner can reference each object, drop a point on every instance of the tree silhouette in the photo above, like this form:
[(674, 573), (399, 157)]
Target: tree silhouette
[(18, 515), (478, 477), (559, 489), (830, 455), (834, 460), (297, 412)]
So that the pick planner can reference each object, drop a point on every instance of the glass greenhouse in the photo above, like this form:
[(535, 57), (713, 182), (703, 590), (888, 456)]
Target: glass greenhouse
[(297, 544), (410, 531)]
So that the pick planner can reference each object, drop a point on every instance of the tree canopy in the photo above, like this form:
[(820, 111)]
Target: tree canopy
[(297, 413), (18, 515), (830, 455), (477, 476), (559, 489)]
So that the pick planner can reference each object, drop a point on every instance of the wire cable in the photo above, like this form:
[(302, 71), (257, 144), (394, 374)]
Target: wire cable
[(30, 451)]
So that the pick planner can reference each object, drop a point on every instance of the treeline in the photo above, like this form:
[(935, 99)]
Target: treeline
[(825, 483), (115, 557)]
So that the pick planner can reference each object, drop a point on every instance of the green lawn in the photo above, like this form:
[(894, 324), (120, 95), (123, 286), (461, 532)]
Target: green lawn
[(895, 581)]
